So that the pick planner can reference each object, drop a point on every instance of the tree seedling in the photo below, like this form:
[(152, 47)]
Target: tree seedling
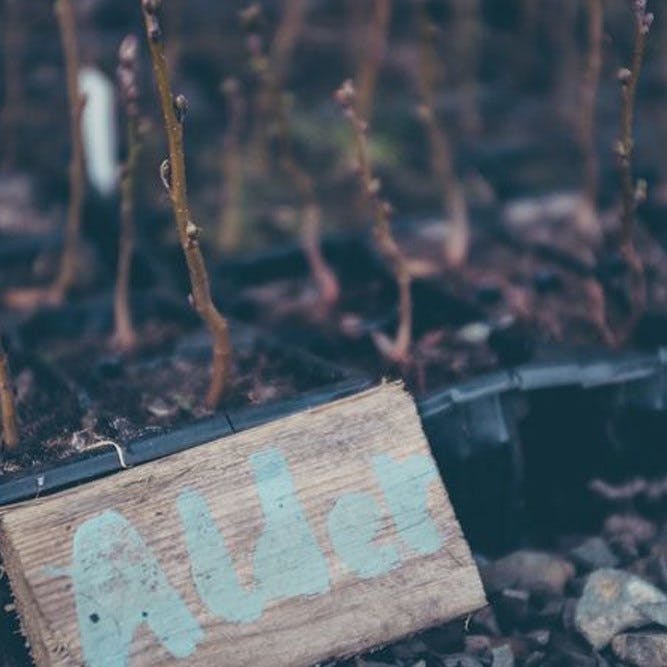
[(173, 175), (124, 336), (54, 294), (455, 210), (232, 169), (14, 101), (311, 211), (272, 69), (372, 55), (398, 349), (10, 433), (586, 217), (632, 192)]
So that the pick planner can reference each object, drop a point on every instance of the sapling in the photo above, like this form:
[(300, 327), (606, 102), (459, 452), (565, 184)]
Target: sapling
[(66, 276), (372, 55), (229, 233), (14, 101), (465, 37), (586, 214), (631, 192), (124, 336), (311, 211), (10, 434), (397, 350), (272, 70), (455, 210), (172, 172), (279, 117)]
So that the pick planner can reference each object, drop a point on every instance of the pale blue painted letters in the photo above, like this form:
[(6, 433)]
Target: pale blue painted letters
[(405, 485), (353, 523), (287, 559), (118, 585)]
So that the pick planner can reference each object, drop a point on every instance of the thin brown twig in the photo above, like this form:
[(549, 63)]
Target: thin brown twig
[(366, 79), (272, 69), (124, 336), (14, 101), (587, 218), (232, 168), (455, 210), (67, 274), (174, 177), (398, 350), (311, 212), (10, 433), (628, 79), (29, 298)]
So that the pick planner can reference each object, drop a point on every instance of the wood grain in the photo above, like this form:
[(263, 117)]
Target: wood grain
[(331, 452)]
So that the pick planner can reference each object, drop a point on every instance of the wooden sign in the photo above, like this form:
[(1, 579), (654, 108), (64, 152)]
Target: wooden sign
[(319, 535)]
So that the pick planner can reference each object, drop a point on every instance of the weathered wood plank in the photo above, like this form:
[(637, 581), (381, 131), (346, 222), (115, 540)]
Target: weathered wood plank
[(320, 535)]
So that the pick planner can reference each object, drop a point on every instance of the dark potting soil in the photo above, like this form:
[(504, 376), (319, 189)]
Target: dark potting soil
[(49, 415), (157, 388), (443, 352)]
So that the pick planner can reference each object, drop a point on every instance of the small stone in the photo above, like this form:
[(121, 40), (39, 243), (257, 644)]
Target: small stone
[(539, 638), (656, 612), (485, 621), (475, 333), (641, 649), (477, 644), (631, 527), (502, 656), (593, 554), (159, 408), (535, 659), (513, 605), (460, 660), (533, 571), (611, 603)]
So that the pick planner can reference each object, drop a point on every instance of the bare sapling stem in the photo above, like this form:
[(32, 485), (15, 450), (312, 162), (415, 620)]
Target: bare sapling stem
[(454, 207), (272, 70), (13, 77), (10, 433), (467, 32), (55, 294), (232, 168), (67, 274), (630, 191), (586, 216), (124, 336), (173, 176), (372, 56), (397, 350), (311, 212)]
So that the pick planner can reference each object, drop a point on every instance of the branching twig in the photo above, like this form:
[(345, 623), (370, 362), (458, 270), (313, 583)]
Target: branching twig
[(174, 177), (229, 233), (397, 350), (457, 240), (587, 219), (124, 336), (56, 292), (628, 79), (10, 434)]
